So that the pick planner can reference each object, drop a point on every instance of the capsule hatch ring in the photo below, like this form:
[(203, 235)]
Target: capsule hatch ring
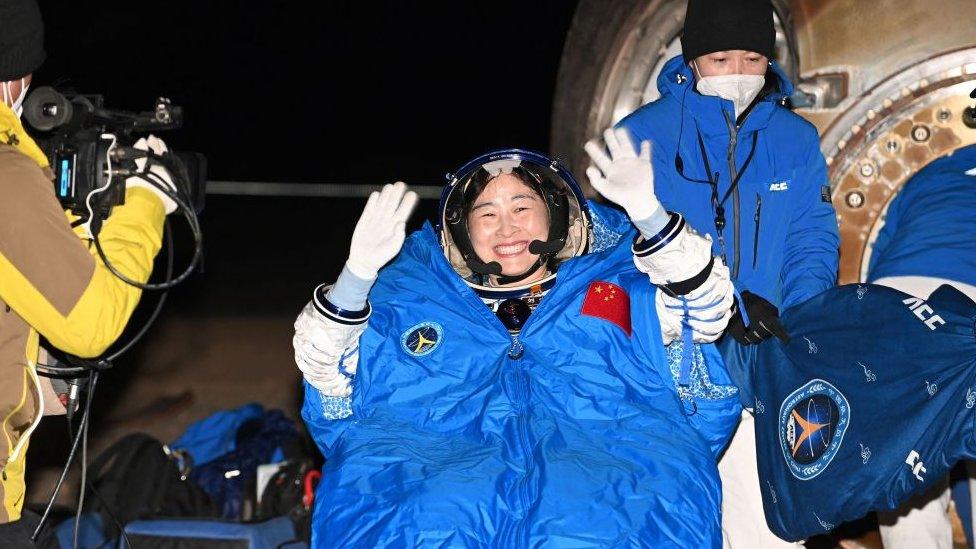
[(891, 132)]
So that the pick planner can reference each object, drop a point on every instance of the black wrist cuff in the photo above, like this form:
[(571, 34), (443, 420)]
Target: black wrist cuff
[(329, 310), (644, 247), (685, 287)]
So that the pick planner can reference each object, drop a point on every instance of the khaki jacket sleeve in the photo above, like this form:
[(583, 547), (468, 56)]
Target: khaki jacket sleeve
[(52, 278)]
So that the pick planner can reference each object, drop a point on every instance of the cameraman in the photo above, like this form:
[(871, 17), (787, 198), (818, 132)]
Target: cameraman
[(51, 282)]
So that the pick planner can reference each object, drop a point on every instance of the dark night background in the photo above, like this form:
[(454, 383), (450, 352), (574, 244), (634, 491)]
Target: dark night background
[(330, 92), (333, 92)]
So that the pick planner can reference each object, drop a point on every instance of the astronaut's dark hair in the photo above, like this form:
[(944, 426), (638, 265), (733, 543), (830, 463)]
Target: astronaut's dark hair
[(476, 185)]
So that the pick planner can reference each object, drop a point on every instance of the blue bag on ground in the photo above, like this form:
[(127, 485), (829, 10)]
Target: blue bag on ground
[(257, 439), (91, 532), (871, 401), (216, 434)]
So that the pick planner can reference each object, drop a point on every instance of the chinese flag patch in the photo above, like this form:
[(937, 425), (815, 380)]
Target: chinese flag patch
[(609, 302)]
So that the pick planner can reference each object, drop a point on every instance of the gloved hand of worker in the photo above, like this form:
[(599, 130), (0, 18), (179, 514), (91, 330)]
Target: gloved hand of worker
[(158, 147), (381, 229), (763, 321), (624, 177)]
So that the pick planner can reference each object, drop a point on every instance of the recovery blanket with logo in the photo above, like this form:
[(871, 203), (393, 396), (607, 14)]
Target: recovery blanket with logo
[(872, 400)]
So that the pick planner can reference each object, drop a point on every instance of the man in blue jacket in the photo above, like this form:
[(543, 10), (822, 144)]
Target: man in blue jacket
[(746, 170), (506, 382)]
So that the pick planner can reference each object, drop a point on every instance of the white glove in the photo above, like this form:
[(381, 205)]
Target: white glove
[(709, 309), (623, 177), (381, 230), (157, 146)]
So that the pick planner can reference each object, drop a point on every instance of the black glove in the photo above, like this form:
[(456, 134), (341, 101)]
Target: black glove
[(763, 321)]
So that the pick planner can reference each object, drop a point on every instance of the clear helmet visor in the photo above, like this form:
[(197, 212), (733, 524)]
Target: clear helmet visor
[(569, 219)]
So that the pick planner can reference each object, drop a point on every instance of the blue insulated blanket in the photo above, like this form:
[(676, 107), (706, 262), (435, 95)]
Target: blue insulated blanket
[(871, 401)]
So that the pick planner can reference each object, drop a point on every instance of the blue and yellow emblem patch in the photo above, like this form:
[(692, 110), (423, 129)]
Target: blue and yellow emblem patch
[(812, 424), (422, 339)]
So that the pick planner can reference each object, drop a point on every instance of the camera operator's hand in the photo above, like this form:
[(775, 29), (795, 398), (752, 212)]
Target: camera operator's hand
[(624, 177), (158, 147)]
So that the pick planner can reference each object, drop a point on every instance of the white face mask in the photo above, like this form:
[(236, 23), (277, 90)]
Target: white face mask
[(16, 105), (740, 89)]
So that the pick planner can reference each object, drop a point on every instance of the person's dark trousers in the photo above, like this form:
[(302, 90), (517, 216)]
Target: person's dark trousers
[(17, 535)]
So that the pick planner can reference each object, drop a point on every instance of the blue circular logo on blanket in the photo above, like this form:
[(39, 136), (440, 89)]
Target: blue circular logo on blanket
[(812, 424), (422, 339)]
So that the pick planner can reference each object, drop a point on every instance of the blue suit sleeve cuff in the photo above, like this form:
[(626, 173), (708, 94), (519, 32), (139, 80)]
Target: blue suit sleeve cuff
[(646, 245), (653, 224), (321, 300), (349, 291)]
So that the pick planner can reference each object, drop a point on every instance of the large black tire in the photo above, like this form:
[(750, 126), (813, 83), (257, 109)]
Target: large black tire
[(597, 34)]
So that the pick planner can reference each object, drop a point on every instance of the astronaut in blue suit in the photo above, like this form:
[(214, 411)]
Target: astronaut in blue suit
[(506, 383)]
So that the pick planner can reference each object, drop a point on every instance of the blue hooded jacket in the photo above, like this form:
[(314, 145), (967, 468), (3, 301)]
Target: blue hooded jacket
[(781, 237), (572, 434), (930, 226)]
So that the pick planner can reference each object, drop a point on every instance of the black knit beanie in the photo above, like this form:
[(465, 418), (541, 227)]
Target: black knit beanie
[(21, 39), (721, 25)]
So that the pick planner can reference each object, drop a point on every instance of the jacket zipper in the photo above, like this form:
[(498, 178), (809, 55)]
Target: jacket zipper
[(15, 452), (755, 241), (733, 140), (515, 353), (734, 126)]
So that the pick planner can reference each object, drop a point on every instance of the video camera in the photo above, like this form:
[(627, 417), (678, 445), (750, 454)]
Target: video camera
[(90, 149), (91, 154)]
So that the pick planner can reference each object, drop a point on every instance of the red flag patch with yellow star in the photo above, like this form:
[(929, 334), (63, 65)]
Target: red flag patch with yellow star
[(609, 302)]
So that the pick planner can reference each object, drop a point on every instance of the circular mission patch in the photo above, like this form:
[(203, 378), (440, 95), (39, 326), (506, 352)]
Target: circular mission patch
[(422, 338), (812, 424)]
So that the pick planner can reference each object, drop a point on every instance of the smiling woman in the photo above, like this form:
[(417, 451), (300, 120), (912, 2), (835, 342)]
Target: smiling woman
[(509, 223), (504, 219)]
